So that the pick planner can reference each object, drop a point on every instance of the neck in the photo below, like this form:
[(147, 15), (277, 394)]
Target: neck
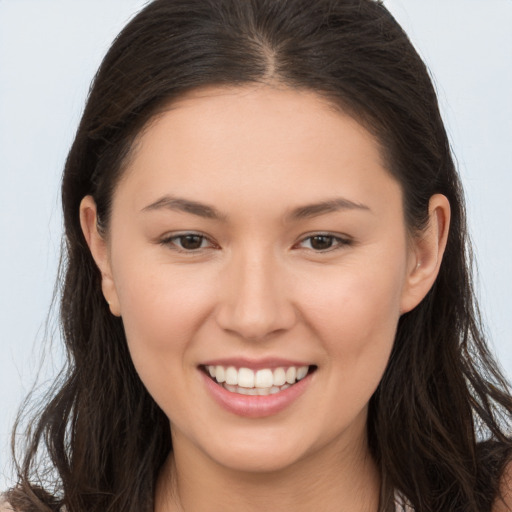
[(333, 480)]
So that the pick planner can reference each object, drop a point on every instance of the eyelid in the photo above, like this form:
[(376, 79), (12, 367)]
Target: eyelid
[(340, 239), (167, 241)]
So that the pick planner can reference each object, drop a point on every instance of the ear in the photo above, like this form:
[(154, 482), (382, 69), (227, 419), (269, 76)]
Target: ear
[(426, 253), (99, 250)]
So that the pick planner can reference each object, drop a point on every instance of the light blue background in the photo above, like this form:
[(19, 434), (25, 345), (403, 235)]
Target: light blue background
[(49, 51)]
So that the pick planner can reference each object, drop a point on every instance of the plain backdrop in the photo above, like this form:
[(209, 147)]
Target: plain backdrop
[(49, 51)]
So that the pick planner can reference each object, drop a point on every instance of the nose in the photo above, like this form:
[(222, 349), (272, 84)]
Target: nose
[(254, 301)]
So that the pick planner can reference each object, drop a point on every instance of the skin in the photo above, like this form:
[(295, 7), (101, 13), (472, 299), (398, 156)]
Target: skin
[(258, 288)]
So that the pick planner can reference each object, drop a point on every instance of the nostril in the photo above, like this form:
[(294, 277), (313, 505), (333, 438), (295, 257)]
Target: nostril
[(255, 312)]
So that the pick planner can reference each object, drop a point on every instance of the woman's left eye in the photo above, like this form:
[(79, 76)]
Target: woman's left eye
[(187, 242), (323, 242)]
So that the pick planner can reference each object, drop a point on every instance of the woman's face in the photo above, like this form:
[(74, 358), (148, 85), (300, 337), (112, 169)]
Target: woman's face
[(256, 234)]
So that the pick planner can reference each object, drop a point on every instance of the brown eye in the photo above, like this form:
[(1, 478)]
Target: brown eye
[(187, 242), (324, 242), (321, 242), (190, 242)]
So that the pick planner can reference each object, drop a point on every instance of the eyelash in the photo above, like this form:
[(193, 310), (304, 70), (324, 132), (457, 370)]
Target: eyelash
[(171, 241), (337, 241)]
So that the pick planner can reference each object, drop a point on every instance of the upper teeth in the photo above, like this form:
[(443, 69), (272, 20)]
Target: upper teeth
[(265, 378)]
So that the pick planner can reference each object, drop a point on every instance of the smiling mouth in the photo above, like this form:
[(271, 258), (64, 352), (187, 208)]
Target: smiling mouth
[(263, 382)]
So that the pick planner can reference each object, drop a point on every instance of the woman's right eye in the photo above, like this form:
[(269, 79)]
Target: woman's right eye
[(187, 242)]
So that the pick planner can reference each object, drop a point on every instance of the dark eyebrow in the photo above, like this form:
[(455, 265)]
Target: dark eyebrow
[(209, 212), (184, 205), (329, 206)]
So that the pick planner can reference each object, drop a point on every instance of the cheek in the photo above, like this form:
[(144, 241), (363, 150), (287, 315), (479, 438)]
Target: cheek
[(354, 301), (162, 309), (355, 315)]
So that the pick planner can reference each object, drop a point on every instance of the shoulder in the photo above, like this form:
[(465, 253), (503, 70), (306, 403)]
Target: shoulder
[(504, 502), (4, 505)]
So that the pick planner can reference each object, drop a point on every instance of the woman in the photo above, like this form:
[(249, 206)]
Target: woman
[(267, 298)]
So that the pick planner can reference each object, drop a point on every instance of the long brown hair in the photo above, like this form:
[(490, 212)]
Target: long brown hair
[(439, 422)]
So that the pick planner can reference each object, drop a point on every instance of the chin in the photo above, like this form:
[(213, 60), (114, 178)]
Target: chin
[(258, 463), (258, 455)]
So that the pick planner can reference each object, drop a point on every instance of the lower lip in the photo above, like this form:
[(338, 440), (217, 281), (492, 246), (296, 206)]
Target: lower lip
[(255, 406)]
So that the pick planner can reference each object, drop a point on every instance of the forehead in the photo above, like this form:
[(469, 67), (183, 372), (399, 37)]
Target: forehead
[(255, 141)]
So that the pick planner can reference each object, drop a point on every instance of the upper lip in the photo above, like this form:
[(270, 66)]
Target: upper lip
[(255, 364)]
